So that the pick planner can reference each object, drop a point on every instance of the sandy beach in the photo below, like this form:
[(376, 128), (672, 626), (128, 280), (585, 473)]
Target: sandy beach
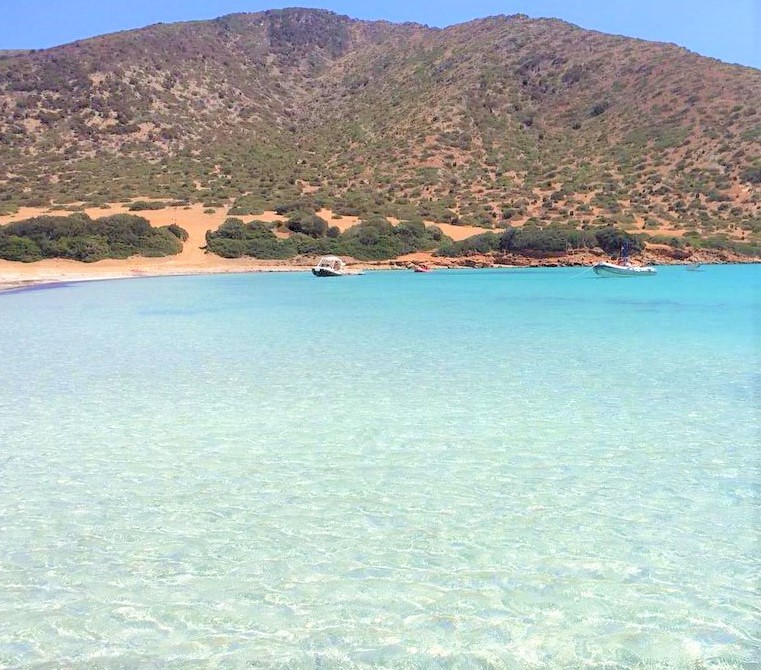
[(191, 260)]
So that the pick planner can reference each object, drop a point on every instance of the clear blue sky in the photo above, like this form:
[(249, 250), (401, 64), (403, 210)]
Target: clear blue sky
[(726, 29)]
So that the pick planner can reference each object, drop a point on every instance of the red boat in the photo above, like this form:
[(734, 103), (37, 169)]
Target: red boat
[(421, 268)]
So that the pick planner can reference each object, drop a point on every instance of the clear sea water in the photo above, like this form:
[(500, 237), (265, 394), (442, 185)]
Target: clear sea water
[(524, 469)]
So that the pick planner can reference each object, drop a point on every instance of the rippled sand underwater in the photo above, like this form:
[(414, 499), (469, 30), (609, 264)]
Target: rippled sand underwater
[(459, 469)]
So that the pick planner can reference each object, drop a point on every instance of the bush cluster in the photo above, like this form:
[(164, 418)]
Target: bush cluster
[(553, 238), (234, 239), (81, 238), (142, 205), (723, 243), (374, 239)]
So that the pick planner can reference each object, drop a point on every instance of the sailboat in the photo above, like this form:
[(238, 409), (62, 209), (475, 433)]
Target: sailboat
[(623, 268)]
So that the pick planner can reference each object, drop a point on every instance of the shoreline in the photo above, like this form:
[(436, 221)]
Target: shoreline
[(26, 280), (16, 276), (194, 260)]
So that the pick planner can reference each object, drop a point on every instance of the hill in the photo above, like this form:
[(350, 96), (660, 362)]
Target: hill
[(504, 120)]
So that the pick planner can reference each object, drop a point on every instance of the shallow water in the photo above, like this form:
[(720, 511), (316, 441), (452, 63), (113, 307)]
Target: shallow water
[(459, 469)]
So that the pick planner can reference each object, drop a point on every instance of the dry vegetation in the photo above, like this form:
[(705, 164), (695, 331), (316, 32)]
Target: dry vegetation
[(501, 121)]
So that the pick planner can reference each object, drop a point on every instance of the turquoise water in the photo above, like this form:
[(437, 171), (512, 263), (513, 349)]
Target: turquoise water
[(460, 469)]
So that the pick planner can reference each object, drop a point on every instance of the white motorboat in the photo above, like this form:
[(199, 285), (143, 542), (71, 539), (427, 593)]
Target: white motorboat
[(329, 266), (623, 270)]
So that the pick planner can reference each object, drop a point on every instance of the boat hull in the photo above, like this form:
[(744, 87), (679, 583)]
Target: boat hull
[(613, 270), (329, 266)]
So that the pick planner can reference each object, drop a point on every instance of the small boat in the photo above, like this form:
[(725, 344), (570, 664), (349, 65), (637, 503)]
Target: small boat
[(329, 266), (420, 267), (623, 270), (695, 267)]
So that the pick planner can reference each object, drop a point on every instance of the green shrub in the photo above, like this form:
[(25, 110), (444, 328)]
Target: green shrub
[(377, 239), (80, 238), (248, 204), (142, 205), (234, 239), (17, 248), (88, 249), (553, 238), (724, 243), (477, 244), (306, 205), (307, 224), (311, 246), (437, 211), (611, 240), (180, 233)]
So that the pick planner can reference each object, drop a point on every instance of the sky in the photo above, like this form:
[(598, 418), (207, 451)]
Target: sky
[(729, 30)]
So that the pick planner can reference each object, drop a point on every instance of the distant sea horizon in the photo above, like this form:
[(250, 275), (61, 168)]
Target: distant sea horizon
[(522, 468)]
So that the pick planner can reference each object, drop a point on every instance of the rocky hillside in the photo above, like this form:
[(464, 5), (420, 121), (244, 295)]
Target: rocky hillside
[(500, 120)]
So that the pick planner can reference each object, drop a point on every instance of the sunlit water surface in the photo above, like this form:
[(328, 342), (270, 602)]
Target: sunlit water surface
[(475, 469)]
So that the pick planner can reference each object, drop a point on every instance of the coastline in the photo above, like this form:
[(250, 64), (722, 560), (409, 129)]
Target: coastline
[(193, 259), (18, 276), (197, 220)]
